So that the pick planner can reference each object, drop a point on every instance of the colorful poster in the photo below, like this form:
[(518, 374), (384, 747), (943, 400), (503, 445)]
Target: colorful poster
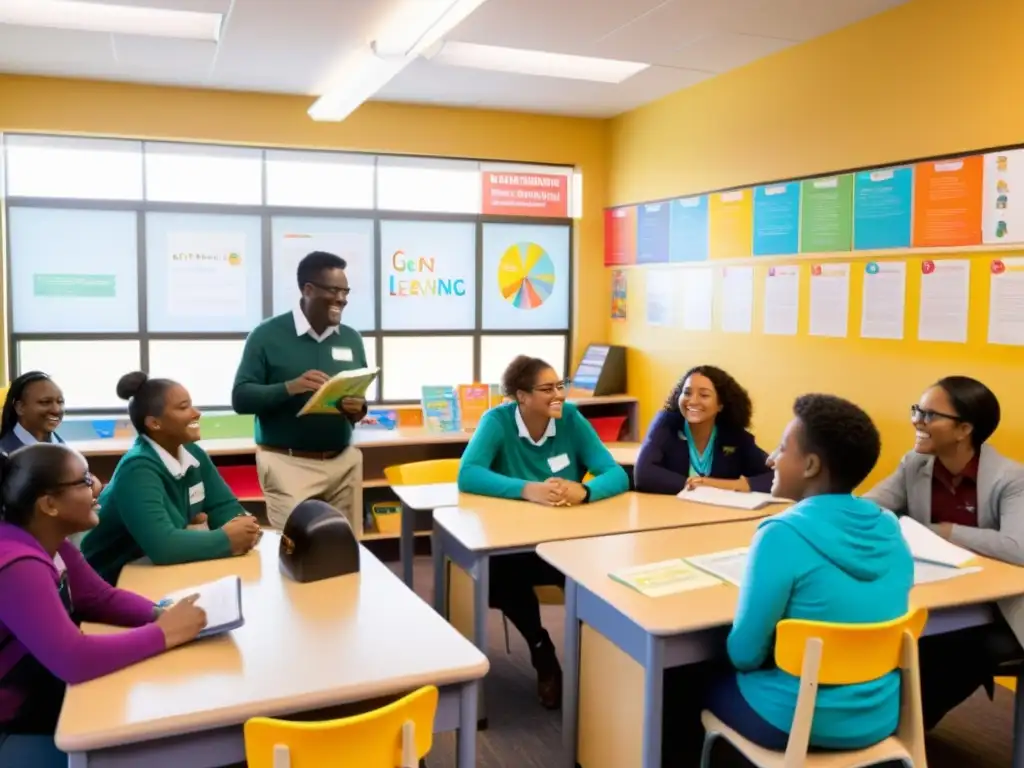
[(826, 221), (945, 300), (731, 224), (688, 229), (620, 236), (830, 300), (652, 231), (884, 300), (882, 208), (619, 294), (1006, 301), (525, 194), (777, 219), (1003, 197), (525, 278), (206, 274), (947, 202), (782, 300)]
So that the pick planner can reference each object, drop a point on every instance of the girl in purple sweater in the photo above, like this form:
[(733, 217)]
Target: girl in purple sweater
[(46, 589)]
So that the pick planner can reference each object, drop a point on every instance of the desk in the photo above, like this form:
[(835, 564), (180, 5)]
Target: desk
[(618, 643), (304, 648)]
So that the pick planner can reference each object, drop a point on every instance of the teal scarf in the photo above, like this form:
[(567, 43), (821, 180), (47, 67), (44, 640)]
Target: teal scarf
[(700, 461)]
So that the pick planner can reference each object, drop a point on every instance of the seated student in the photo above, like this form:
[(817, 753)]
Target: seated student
[(969, 494), (700, 437), (33, 410), (164, 484), (538, 448), (47, 589), (831, 557)]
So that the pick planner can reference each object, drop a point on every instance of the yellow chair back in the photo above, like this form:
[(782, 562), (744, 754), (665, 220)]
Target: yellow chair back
[(852, 653), (395, 736), (423, 472)]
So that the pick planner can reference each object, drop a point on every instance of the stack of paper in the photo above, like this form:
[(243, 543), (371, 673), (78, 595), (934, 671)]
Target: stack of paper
[(665, 578), (717, 497), (935, 559), (222, 601)]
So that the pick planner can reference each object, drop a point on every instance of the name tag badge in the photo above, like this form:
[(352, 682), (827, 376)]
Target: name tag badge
[(196, 494), (342, 354), (558, 463)]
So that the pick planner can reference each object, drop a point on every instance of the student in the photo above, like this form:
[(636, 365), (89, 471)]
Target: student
[(969, 494), (537, 448), (47, 589), (831, 557), (33, 410), (700, 437), (161, 486)]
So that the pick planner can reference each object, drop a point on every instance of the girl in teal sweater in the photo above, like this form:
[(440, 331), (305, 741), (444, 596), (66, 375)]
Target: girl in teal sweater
[(538, 448), (166, 500)]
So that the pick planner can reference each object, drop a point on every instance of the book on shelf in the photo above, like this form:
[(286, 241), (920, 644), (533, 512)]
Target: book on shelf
[(474, 401), (440, 409), (668, 577), (352, 383), (222, 601)]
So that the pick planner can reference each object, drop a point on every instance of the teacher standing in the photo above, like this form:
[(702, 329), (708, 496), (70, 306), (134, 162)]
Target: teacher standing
[(286, 359)]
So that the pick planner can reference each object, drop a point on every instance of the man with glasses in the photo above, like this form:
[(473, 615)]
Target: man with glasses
[(286, 359)]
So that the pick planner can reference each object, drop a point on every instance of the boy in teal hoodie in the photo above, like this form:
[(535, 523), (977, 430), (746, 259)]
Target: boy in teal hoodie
[(831, 557)]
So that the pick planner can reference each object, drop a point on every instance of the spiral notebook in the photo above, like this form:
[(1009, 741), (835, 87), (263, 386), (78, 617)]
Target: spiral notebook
[(222, 601)]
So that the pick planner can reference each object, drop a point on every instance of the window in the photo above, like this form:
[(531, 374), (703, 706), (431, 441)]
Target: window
[(206, 368), (370, 344), (73, 271), (421, 184), (196, 173), (411, 363), (525, 277), (86, 169), (87, 371), (320, 179), (496, 352)]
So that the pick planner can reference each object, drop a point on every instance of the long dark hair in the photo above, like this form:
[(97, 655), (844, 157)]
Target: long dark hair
[(737, 410), (9, 416), (28, 473)]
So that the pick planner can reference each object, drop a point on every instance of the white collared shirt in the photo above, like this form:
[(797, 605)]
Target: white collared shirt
[(524, 432), (176, 466), (302, 326), (27, 438)]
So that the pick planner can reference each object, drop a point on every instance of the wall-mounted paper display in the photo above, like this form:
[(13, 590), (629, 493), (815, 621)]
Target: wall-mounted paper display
[(737, 299), (698, 293), (777, 219), (660, 305), (882, 208), (1003, 197), (945, 300), (826, 219), (620, 236), (731, 228), (688, 238), (947, 202), (1006, 301), (883, 301), (830, 300), (652, 233), (782, 300), (525, 278)]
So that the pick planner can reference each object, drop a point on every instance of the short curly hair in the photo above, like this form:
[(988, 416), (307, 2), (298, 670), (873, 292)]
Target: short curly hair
[(842, 435), (521, 375), (737, 410)]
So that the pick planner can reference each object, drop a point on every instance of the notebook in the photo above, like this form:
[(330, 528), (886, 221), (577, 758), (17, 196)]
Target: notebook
[(928, 547), (718, 497), (222, 601), (665, 578)]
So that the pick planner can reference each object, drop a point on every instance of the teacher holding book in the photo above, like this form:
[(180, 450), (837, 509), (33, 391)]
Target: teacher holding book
[(286, 359)]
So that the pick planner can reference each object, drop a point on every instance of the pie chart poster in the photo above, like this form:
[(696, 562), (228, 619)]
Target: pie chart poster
[(525, 280)]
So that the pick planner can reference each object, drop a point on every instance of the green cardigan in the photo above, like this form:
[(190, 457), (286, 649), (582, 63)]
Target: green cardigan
[(145, 510)]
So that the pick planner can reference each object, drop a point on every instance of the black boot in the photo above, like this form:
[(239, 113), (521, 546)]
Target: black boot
[(549, 673)]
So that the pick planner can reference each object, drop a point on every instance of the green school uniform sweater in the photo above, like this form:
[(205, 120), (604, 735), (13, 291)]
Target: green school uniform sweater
[(500, 462), (274, 354), (144, 511)]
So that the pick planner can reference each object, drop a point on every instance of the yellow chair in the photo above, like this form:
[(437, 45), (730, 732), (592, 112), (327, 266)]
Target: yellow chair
[(821, 653), (423, 472), (395, 736)]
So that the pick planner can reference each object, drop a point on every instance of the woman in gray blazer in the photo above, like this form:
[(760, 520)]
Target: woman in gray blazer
[(972, 496)]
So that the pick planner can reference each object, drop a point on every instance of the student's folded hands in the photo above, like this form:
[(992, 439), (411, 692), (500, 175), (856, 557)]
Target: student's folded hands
[(740, 485), (555, 492)]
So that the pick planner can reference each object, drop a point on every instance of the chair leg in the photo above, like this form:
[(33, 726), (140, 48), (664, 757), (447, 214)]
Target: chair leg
[(705, 753), (504, 624)]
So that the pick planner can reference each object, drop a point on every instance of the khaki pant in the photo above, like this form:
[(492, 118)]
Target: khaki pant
[(287, 481)]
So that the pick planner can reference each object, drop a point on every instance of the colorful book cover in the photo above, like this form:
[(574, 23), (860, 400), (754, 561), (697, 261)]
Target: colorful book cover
[(380, 418), (668, 577), (440, 409), (497, 397), (474, 402), (352, 383)]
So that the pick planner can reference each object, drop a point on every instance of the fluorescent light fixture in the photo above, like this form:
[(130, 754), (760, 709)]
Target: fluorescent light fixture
[(421, 24), (541, 63), (365, 74), (114, 19)]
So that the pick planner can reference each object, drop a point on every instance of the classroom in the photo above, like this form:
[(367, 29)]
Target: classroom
[(798, 217)]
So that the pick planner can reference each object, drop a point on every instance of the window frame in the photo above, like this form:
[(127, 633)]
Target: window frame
[(267, 213)]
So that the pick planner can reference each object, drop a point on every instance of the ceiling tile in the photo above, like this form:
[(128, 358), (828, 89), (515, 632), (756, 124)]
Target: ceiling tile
[(37, 50), (202, 6), (806, 19), (190, 60), (724, 51)]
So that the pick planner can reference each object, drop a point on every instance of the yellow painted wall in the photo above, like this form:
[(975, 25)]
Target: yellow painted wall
[(926, 78), (47, 105)]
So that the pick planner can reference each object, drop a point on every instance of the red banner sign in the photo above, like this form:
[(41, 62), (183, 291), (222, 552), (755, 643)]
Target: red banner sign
[(526, 194)]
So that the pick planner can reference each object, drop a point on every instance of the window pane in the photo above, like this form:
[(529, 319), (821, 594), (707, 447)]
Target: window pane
[(412, 363), (441, 186), (496, 352), (513, 189), (204, 272), (195, 173), (352, 239), (428, 275), (206, 368), (73, 271), (87, 371), (320, 179), (370, 344), (90, 169), (526, 277)]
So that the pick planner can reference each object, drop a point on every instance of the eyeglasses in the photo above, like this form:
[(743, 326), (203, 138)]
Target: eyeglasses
[(335, 290), (87, 480), (550, 389), (917, 413)]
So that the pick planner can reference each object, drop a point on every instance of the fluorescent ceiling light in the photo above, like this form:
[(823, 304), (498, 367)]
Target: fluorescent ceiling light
[(114, 19), (542, 63), (413, 27)]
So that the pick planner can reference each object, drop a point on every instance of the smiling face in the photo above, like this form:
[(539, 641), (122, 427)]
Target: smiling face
[(937, 427), (179, 422), (41, 407), (794, 469), (547, 396), (698, 401), (72, 504), (326, 298)]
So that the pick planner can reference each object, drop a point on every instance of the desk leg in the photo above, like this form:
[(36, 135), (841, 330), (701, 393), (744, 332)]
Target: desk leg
[(570, 675), (1018, 721), (481, 590), (407, 545), (440, 566), (654, 681), (466, 737), (78, 759)]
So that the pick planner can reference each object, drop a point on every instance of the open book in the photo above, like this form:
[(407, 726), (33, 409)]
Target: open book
[(718, 497), (665, 578), (222, 601), (352, 383)]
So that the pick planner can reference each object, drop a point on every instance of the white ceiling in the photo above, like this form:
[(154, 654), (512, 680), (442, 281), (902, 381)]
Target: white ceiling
[(291, 46)]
